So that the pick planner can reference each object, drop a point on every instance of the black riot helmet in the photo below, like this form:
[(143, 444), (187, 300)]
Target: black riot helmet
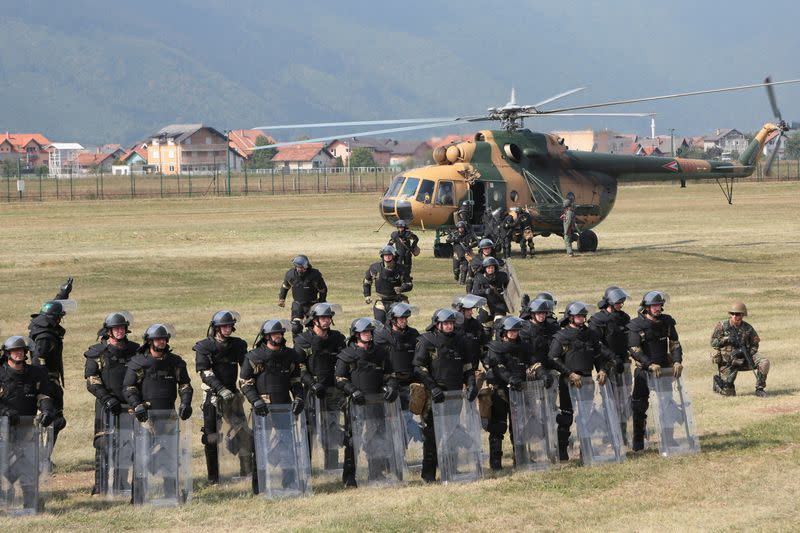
[(486, 243), (360, 325), (157, 331), (654, 298), (399, 310), (116, 319), (319, 310), (225, 317), (388, 250), (401, 224), (15, 342), (461, 224), (576, 308), (541, 305), (468, 301), (612, 296), (53, 308), (490, 261), (268, 327), (301, 261), (444, 315), (546, 296), (512, 323)]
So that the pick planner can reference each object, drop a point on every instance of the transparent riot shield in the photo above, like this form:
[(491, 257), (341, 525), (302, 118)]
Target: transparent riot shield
[(24, 465), (673, 415), (533, 427), (162, 460), (597, 422), (234, 441), (412, 435), (457, 426), (622, 385), (512, 295), (282, 463), (378, 441), (118, 447), (328, 451)]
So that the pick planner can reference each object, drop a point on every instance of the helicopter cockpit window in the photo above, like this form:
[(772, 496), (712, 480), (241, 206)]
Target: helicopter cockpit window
[(444, 195), (409, 188), (394, 187), (425, 193)]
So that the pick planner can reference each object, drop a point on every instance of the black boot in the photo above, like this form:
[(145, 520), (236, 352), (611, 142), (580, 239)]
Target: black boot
[(349, 467), (212, 463), (563, 444), (429, 459), (496, 453)]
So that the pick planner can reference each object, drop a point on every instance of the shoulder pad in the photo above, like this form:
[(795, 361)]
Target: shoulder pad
[(95, 351), (348, 354), (138, 361), (303, 340), (206, 345)]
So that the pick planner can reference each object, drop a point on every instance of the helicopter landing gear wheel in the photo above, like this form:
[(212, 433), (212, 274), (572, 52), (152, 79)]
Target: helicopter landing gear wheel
[(587, 241)]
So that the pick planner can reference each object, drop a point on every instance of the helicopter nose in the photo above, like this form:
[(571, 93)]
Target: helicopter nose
[(394, 210)]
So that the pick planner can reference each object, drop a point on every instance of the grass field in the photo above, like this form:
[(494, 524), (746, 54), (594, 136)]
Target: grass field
[(178, 261)]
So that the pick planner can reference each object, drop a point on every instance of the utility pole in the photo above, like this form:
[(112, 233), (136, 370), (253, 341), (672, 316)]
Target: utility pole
[(228, 157), (672, 151)]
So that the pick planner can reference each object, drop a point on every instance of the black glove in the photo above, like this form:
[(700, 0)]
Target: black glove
[(140, 412), (185, 411), (545, 376), (113, 405), (437, 395), (297, 406), (472, 393), (390, 394), (66, 288), (358, 397), (46, 418), (516, 383), (226, 394), (318, 390), (260, 407)]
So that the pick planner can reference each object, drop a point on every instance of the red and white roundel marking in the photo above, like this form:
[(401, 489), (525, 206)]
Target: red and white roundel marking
[(673, 166)]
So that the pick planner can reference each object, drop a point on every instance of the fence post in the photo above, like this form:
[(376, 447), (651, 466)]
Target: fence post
[(102, 189), (71, 192), (40, 186), (190, 182), (245, 181)]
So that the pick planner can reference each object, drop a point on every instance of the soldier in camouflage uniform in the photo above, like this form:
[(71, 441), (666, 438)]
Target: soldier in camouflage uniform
[(733, 340), (568, 218)]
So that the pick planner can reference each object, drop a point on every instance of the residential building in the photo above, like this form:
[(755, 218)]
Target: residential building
[(725, 140), (302, 157), (243, 142), (404, 153), (381, 153), (95, 162), (29, 148), (133, 161), (182, 148)]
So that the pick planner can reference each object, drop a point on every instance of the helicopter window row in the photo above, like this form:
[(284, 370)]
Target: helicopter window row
[(409, 188), (425, 192), (394, 187), (444, 196)]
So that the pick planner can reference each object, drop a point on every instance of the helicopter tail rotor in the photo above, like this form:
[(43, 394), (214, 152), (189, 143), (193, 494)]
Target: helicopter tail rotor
[(781, 125)]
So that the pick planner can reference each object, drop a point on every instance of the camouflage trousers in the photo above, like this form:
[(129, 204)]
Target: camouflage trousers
[(728, 372)]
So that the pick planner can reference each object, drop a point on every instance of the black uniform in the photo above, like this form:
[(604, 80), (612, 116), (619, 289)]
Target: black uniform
[(104, 371), (365, 370), (218, 365), (509, 363), (401, 345), (475, 334), (404, 242), (48, 346), (505, 232), (578, 350), (649, 342), (613, 330), (443, 362), (23, 393), (492, 288), (475, 267), (308, 288), (390, 283), (318, 368), (462, 244)]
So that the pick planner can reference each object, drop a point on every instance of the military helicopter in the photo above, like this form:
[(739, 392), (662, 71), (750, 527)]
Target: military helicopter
[(516, 167)]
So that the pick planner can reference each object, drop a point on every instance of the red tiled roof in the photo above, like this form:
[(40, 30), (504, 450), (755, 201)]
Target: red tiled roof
[(298, 152), (87, 159), (20, 140), (243, 141), (135, 150)]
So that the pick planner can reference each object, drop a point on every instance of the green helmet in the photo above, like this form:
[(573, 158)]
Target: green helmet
[(53, 308)]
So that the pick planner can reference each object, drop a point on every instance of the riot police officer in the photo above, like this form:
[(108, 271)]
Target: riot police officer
[(48, 338), (271, 375), (463, 240), (506, 231), (443, 361), (400, 340), (24, 391), (308, 287), (653, 344), (524, 229), (391, 280), (319, 346), (486, 249), (512, 362), (578, 349), (470, 324), (217, 360), (362, 368), (538, 327), (405, 242), (104, 372), (611, 323), (491, 283)]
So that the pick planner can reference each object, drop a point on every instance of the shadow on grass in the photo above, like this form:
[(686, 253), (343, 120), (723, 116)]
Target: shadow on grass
[(769, 433)]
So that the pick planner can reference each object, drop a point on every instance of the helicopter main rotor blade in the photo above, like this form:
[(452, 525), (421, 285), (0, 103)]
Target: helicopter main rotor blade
[(375, 132), (668, 96), (355, 123), (554, 98), (774, 103), (543, 114), (768, 168)]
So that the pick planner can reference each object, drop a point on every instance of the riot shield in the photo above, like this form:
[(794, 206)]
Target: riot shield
[(234, 441), (597, 422), (118, 446), (622, 385), (24, 465), (457, 426), (412, 435), (512, 295), (673, 415), (533, 427), (328, 434), (378, 442), (282, 463), (162, 459)]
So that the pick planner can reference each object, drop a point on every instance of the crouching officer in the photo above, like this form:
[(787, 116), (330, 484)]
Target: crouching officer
[(491, 283), (443, 361), (512, 361), (578, 349), (400, 340), (653, 344), (105, 369), (362, 368), (735, 344), (308, 287), (271, 374), (217, 360), (24, 391), (391, 280), (319, 347)]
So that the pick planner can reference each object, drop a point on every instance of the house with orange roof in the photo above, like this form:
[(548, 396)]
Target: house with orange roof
[(243, 142), (181, 148), (302, 156), (95, 162), (133, 161), (29, 148)]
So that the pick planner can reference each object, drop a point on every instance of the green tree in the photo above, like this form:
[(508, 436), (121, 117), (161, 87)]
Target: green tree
[(792, 146), (361, 157), (262, 158)]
